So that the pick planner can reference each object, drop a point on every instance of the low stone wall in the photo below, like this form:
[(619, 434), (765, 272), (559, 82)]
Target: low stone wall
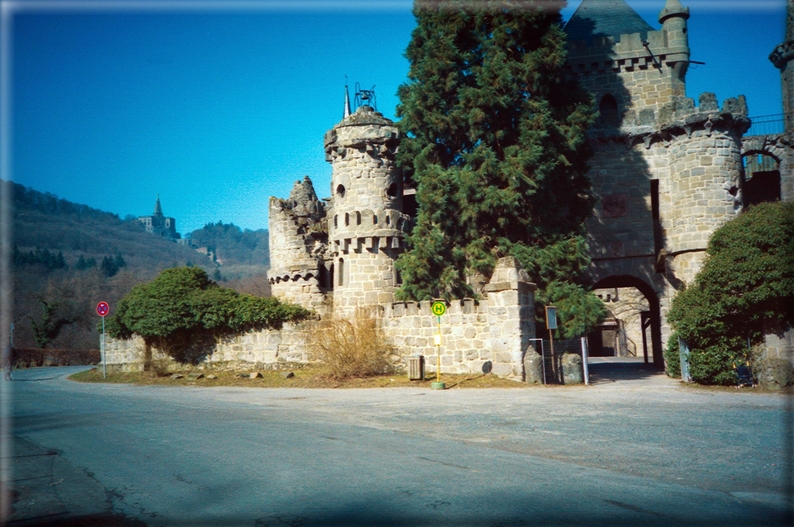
[(774, 361), (260, 350), (495, 331), (492, 335)]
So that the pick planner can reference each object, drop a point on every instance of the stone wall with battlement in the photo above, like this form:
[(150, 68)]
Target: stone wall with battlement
[(638, 77), (497, 330)]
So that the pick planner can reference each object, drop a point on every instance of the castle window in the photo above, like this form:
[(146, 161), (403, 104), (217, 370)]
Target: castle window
[(340, 191), (392, 190), (341, 272), (608, 110), (358, 218), (388, 220), (347, 219), (374, 219), (336, 220)]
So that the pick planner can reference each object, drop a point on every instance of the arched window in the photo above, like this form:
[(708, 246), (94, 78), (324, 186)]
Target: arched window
[(340, 191), (608, 112)]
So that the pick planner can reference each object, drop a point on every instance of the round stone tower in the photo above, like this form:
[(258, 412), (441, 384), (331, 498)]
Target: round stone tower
[(704, 152), (673, 18), (298, 247), (365, 221), (780, 57)]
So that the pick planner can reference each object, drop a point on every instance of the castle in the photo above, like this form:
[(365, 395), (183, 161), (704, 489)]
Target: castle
[(667, 172), (160, 224)]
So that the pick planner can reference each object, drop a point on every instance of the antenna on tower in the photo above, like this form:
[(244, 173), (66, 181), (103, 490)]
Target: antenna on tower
[(366, 97)]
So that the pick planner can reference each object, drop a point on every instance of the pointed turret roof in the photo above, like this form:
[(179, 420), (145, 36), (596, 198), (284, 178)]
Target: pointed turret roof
[(158, 210), (604, 18), (346, 113)]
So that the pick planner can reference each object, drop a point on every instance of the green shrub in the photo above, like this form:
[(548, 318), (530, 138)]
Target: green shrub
[(714, 365), (745, 287), (183, 313), (672, 357)]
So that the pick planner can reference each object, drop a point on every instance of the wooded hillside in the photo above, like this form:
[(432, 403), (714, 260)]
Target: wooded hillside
[(67, 257)]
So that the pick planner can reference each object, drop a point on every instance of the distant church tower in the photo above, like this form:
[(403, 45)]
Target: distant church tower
[(365, 221), (159, 224)]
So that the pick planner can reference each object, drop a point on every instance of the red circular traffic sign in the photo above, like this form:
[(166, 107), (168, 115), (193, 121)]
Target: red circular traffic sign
[(102, 309)]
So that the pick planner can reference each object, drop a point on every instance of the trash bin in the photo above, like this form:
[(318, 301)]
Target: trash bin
[(416, 368)]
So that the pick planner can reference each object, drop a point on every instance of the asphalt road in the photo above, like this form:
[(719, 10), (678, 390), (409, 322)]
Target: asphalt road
[(638, 452)]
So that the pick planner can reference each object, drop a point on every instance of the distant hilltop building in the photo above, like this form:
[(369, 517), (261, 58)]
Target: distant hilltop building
[(159, 224)]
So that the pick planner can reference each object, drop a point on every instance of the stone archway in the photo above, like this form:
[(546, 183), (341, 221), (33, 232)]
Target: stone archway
[(650, 318), (778, 147)]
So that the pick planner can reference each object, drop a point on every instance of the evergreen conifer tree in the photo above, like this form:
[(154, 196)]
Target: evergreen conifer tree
[(495, 143)]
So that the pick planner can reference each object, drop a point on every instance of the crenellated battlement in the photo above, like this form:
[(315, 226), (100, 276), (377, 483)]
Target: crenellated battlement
[(677, 118), (465, 306), (626, 52), (683, 114)]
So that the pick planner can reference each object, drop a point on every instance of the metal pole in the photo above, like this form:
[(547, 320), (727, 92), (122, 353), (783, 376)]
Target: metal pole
[(553, 361), (584, 361), (104, 356), (438, 352)]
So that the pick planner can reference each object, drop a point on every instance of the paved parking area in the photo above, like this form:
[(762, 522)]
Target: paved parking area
[(636, 450)]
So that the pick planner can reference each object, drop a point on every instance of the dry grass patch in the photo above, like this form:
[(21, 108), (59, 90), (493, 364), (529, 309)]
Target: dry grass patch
[(308, 377), (350, 348)]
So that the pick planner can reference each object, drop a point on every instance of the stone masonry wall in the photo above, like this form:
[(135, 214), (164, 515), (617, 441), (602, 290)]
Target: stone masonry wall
[(624, 68), (269, 349), (366, 224), (368, 259), (497, 330), (705, 180)]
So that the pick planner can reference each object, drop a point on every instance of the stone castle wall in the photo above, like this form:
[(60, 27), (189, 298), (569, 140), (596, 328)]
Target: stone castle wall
[(639, 78), (497, 331), (269, 349), (298, 236)]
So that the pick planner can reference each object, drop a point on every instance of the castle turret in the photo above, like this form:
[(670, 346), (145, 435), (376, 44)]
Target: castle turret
[(631, 69), (365, 223), (703, 146), (674, 18), (298, 236), (781, 57)]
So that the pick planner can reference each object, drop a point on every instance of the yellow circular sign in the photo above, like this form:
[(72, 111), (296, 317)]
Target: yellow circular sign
[(439, 308)]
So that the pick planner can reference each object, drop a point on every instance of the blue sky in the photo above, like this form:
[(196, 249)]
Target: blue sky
[(218, 106)]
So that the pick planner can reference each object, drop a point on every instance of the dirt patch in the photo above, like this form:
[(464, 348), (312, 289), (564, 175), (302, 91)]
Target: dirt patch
[(309, 377)]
